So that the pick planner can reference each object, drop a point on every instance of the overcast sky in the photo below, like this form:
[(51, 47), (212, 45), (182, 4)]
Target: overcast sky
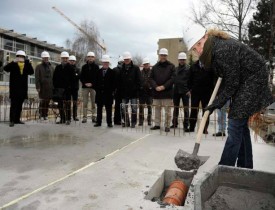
[(134, 25)]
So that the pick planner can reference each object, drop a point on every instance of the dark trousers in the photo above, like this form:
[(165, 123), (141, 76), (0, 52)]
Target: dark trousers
[(108, 108), (238, 145), (16, 109), (44, 107), (64, 107), (74, 96), (145, 100), (195, 101), (117, 114), (185, 101)]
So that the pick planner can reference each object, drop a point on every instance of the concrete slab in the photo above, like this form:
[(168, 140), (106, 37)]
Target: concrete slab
[(119, 181)]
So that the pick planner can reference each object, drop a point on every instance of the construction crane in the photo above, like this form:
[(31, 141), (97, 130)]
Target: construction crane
[(80, 29)]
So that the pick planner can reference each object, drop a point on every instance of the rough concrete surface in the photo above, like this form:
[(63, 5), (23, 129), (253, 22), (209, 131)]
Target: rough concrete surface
[(186, 161), (48, 166), (228, 198)]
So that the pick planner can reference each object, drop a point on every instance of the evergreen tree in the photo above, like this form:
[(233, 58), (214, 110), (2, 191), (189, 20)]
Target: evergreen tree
[(259, 28)]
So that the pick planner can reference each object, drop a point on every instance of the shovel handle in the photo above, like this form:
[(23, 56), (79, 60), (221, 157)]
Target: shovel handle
[(206, 113)]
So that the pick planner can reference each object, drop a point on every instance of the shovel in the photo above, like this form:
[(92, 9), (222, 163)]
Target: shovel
[(186, 161)]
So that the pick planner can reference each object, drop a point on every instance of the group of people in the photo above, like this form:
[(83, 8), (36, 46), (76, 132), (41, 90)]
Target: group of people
[(162, 86)]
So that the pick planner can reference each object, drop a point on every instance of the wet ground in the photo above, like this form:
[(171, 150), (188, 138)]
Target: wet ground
[(48, 166)]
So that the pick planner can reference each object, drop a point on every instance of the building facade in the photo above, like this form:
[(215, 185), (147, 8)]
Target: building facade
[(11, 42), (174, 47)]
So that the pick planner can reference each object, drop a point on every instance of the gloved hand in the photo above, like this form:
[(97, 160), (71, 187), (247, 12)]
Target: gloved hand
[(211, 108)]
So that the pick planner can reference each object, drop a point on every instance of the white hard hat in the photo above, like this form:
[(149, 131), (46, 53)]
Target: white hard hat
[(145, 60), (20, 52), (45, 54), (192, 34), (182, 56), (120, 59), (90, 54), (163, 51), (127, 55), (72, 58), (64, 55), (105, 58)]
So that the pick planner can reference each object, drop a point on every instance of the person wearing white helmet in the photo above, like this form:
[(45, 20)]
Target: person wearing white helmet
[(105, 87), (87, 78), (129, 84), (44, 84), (245, 82), (118, 99), (162, 80), (63, 83), (19, 70), (145, 95), (181, 92), (75, 87)]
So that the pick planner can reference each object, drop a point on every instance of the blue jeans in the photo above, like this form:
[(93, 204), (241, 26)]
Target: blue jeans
[(222, 117), (124, 113), (238, 145)]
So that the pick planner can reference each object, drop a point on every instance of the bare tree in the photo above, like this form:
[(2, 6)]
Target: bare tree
[(81, 43), (137, 59), (229, 15)]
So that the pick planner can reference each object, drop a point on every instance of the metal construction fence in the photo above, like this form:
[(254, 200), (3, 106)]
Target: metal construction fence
[(143, 120)]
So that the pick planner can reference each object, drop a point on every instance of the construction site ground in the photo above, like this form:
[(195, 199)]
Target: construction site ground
[(49, 166)]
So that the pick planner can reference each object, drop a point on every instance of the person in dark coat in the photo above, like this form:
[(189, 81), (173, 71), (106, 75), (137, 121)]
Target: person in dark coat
[(75, 87), (245, 82), (181, 92), (44, 84), (162, 80), (129, 84), (145, 95), (105, 87), (63, 79), (118, 99), (19, 70), (201, 83)]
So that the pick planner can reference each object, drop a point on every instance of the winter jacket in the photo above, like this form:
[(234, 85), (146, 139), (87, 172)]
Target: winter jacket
[(19, 82), (146, 89), (63, 77), (105, 86), (44, 80), (88, 73), (245, 78), (163, 74), (129, 81), (201, 80), (117, 73), (181, 81), (76, 77)]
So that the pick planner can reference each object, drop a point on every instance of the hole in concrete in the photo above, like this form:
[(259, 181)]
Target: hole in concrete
[(158, 190)]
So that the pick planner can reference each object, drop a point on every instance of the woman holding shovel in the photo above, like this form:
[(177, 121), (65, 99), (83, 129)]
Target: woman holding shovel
[(245, 83)]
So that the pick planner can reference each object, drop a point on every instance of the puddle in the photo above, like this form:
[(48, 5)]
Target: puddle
[(43, 140)]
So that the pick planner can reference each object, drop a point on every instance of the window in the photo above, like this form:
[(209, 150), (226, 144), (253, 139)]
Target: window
[(32, 49), (32, 80), (39, 51), (19, 46), (8, 43)]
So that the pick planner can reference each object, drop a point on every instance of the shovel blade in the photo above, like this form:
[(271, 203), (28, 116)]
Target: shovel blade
[(186, 161)]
